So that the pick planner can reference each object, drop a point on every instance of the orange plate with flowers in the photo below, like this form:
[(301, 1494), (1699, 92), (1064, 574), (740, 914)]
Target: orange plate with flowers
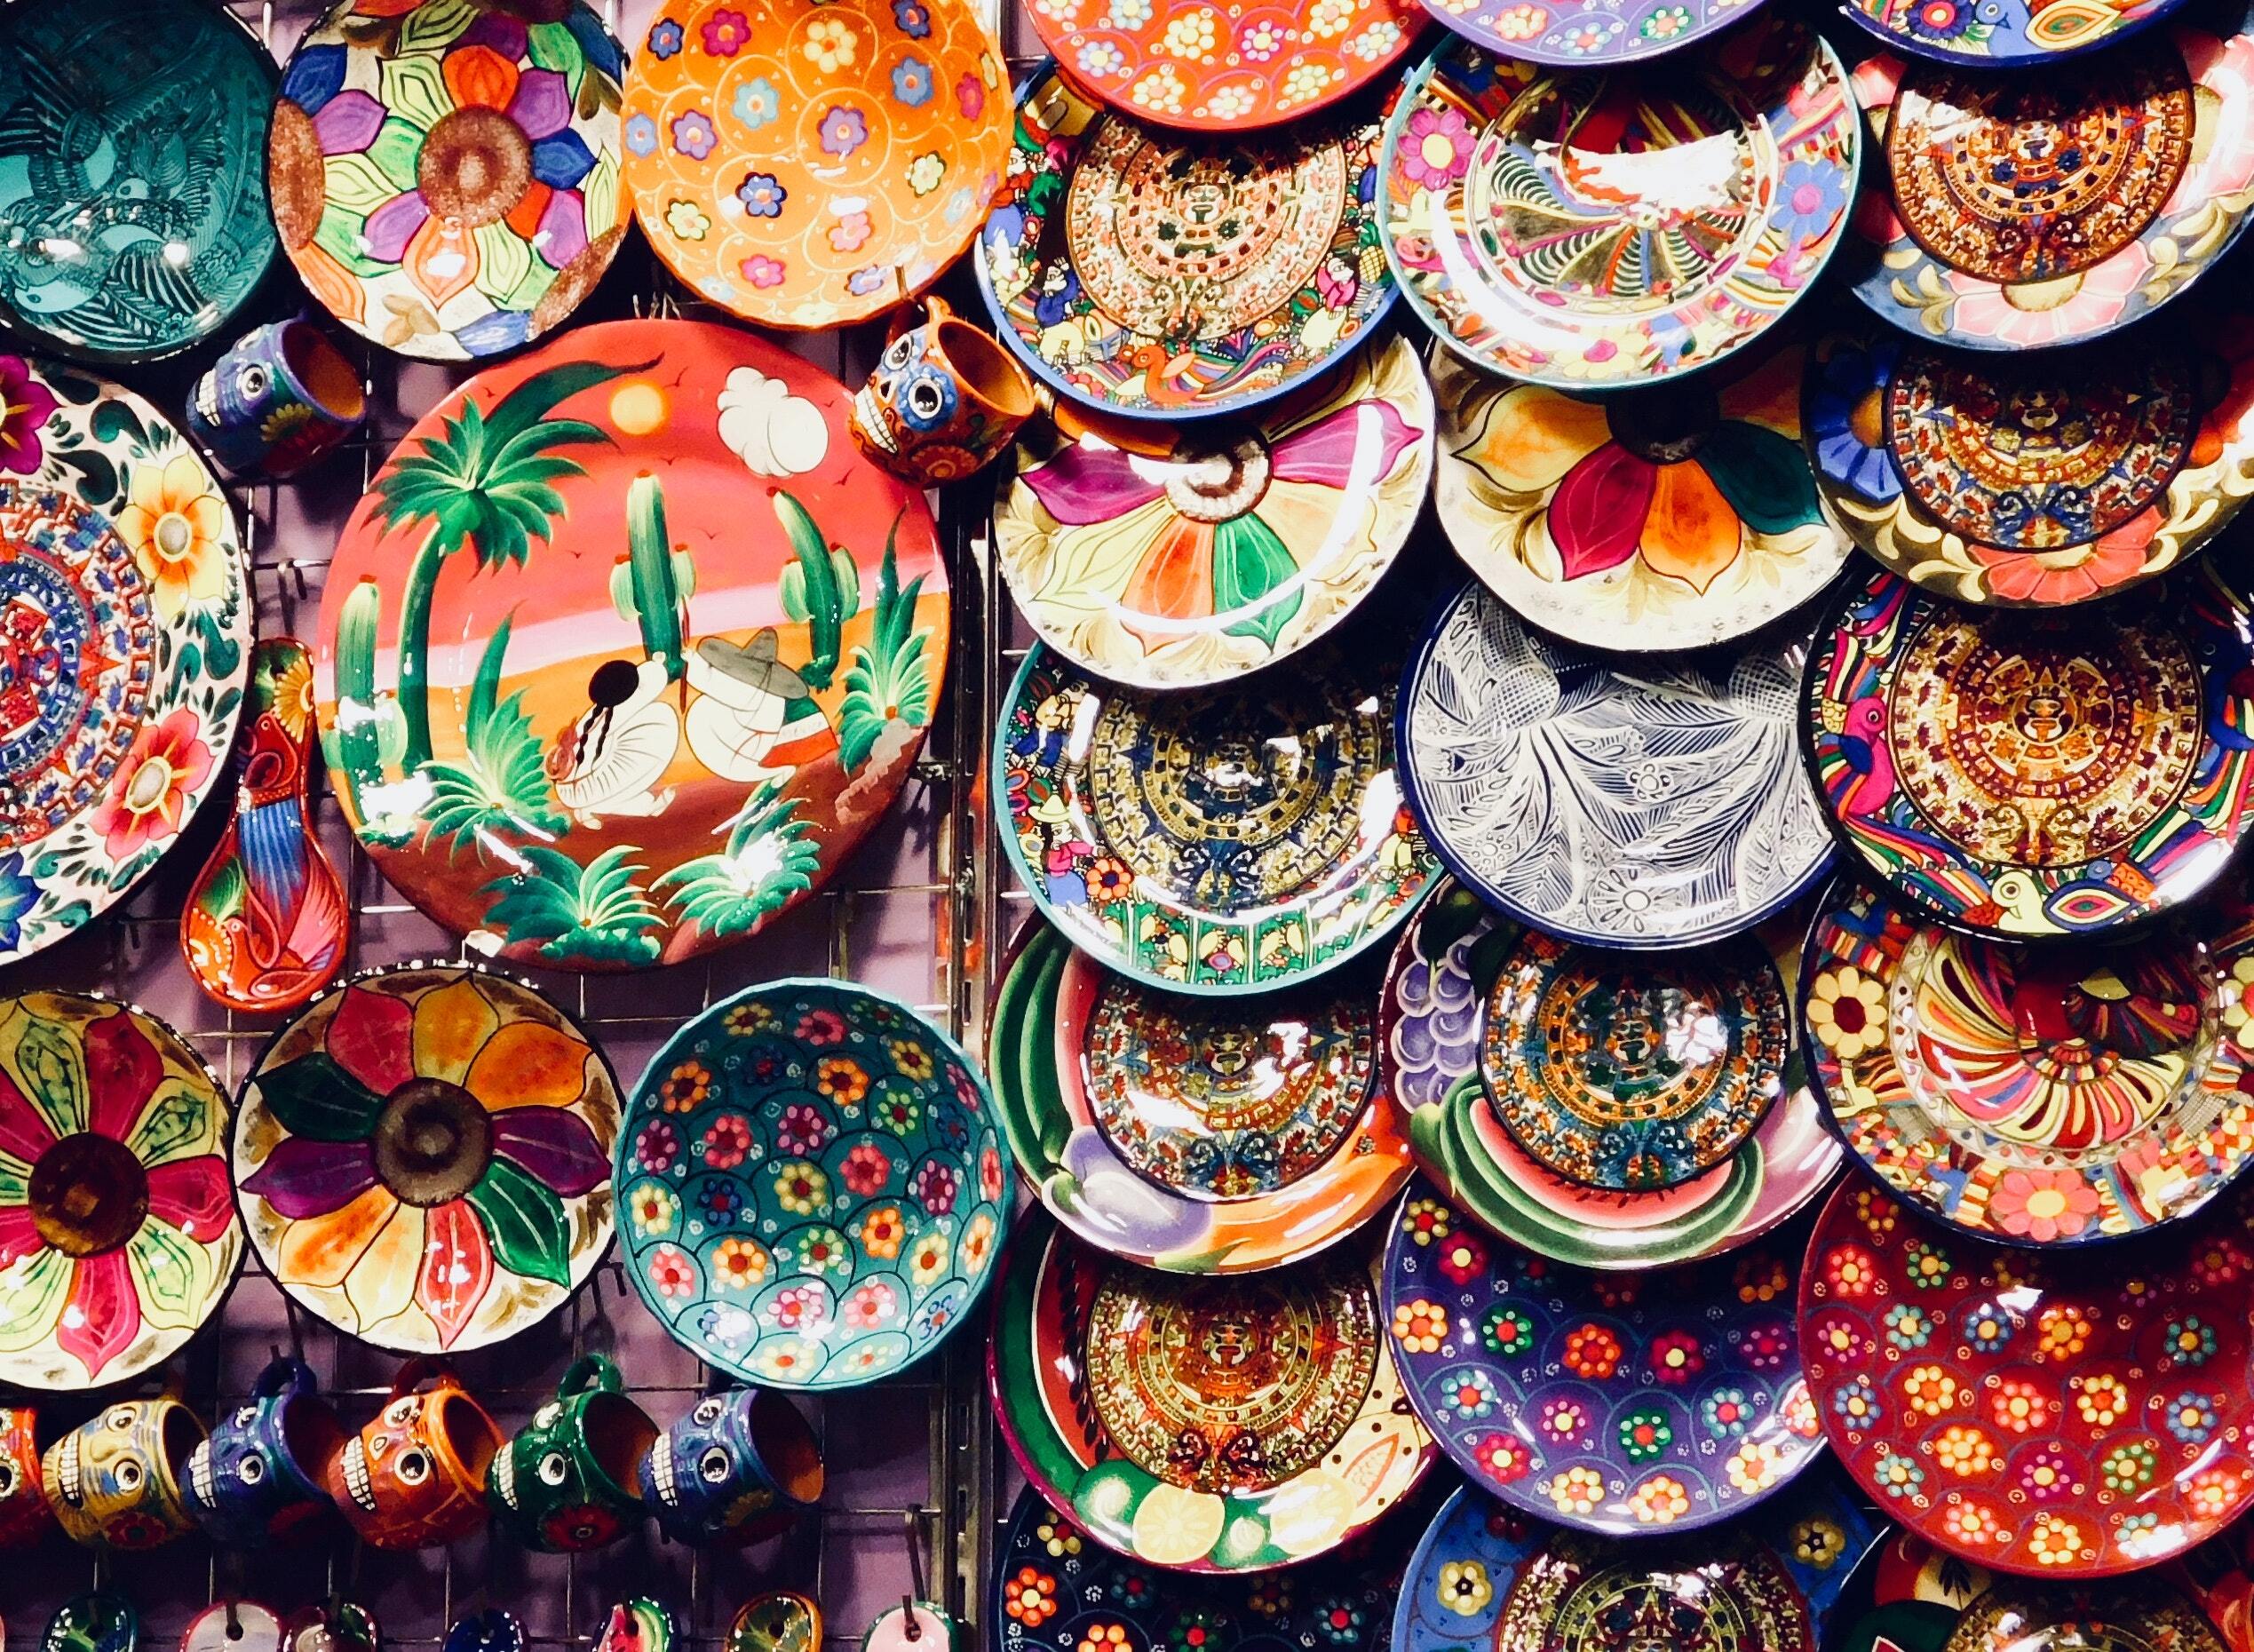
[(812, 163), (2025, 1410), (424, 1157), (125, 633)]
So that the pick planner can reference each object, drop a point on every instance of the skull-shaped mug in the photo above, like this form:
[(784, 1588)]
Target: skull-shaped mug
[(278, 400), (258, 1478), (944, 400), (24, 1514), (115, 1481), (736, 1469), (566, 1483), (414, 1478)]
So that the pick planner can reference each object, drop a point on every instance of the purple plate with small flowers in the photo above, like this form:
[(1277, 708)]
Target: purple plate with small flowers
[(812, 1186), (1605, 1402), (1581, 34)]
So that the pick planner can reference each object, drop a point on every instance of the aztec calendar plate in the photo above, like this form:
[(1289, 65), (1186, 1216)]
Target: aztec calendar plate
[(2029, 775), (1484, 1575), (1198, 1422), (118, 1235), (2031, 1413), (126, 625), (2003, 34), (1150, 275), (813, 1184), (1444, 965), (812, 162), (2016, 212), (2140, 1612), (641, 683), (423, 1157), (1224, 841), (1603, 1402), (1599, 230), (1189, 1134), (2036, 482), (2030, 1096), (1620, 804), (1163, 558), (1674, 517)]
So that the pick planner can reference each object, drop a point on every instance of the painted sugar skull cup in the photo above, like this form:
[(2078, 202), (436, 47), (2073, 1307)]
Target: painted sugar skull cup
[(115, 1481), (737, 1468), (257, 1479), (567, 1483), (414, 1478), (24, 1514), (944, 400), (280, 398)]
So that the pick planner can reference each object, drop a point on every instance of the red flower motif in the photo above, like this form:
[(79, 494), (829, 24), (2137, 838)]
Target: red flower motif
[(1676, 1358), (25, 404), (1463, 1259), (148, 800), (1504, 1456)]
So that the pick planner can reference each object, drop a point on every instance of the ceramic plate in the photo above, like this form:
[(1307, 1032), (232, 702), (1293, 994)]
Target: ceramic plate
[(2017, 212), (1667, 519), (1187, 1134), (1430, 1014), (445, 176), (2030, 1412), (1602, 1401), (1621, 806), (1188, 63), (2036, 775), (2026, 1095), (813, 1185), (137, 223), (2142, 1612), (783, 1621), (687, 641), (1155, 275), (118, 1236), (1586, 34), (1199, 1422), (1598, 230), (1633, 1073), (2000, 33), (812, 163), (1485, 1577), (1177, 559), (1229, 840), (2039, 482), (124, 645), (424, 1157)]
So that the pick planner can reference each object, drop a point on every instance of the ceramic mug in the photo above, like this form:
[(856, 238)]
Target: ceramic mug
[(258, 1478), (115, 1481), (736, 1469), (24, 1514), (566, 1483), (944, 400), (279, 398), (414, 1478)]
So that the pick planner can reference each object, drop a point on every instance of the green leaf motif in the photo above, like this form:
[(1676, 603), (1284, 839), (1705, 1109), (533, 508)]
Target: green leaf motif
[(31, 1297), (414, 86), (504, 261), (339, 235), (550, 46), (499, 785), (113, 419), (50, 1064), (435, 26), (357, 183), (600, 197), (176, 1124), (733, 892), (596, 912), (316, 1097), (172, 1276), (525, 1221), (397, 155)]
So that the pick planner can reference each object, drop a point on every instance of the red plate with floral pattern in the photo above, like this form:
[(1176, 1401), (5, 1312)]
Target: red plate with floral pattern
[(2031, 1415)]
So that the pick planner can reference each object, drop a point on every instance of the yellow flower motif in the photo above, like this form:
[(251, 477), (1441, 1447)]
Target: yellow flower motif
[(1160, 90), (1964, 1451), (2054, 1540), (1753, 1464), (1190, 35), (687, 220), (179, 529), (1421, 1326), (1847, 1011), (1465, 1588), (829, 45), (1931, 1390), (293, 696), (1577, 1491), (741, 1264), (2103, 1401), (1662, 1498)]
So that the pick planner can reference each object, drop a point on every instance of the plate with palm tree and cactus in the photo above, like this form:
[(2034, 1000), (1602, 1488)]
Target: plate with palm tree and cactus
[(627, 647)]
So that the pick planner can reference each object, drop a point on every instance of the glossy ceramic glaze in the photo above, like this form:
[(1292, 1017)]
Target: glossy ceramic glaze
[(1486, 1575), (1189, 64), (414, 1476), (733, 1468), (1623, 805), (639, 1624), (116, 1481), (2027, 1095), (257, 1479), (492, 1630), (1675, 518), (1156, 276), (2030, 1412), (267, 921), (1598, 230), (782, 1621), (813, 1185), (1602, 1401), (1429, 1020), (1226, 841), (569, 1482), (281, 398), (1190, 1135), (1203, 1423), (2035, 775), (942, 402), (676, 690), (424, 1157), (1179, 558), (24, 1514), (446, 176), (140, 228), (336, 1624), (1586, 34), (233, 1625), (1986, 228), (104, 1620), (2039, 482), (118, 1235), (913, 1626), (125, 633), (2141, 1612), (812, 163), (2022, 34)]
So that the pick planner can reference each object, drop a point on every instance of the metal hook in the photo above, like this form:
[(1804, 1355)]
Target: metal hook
[(913, 1519)]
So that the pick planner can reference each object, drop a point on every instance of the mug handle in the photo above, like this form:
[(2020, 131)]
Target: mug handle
[(285, 1373), (590, 1371), (935, 311), (410, 1375)]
